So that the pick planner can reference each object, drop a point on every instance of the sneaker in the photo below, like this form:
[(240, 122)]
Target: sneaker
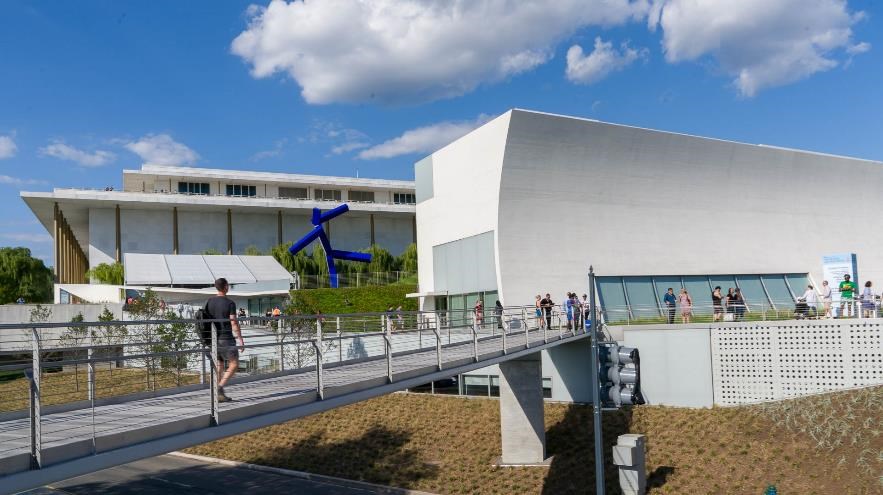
[(223, 397)]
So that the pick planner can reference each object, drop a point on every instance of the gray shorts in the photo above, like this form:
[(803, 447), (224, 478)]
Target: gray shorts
[(227, 350)]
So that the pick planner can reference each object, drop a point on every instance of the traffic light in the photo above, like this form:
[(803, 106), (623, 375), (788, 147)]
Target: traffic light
[(620, 375)]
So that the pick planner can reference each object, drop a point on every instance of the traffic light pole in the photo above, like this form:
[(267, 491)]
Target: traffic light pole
[(596, 388)]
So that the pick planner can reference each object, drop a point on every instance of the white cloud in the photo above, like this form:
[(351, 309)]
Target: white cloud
[(349, 146), (65, 152), (761, 43), (412, 50), (271, 153), (422, 139), (161, 149), (7, 147), (15, 181), (604, 59), (25, 237)]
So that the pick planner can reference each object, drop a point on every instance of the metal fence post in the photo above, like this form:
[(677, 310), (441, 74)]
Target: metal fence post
[(90, 366), (527, 337), (387, 337), (36, 429), (213, 359), (505, 328), (438, 358), (339, 346), (596, 392), (320, 386), (475, 340), (201, 354)]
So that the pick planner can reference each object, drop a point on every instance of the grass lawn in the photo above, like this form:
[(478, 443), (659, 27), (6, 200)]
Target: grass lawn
[(357, 300), (823, 444)]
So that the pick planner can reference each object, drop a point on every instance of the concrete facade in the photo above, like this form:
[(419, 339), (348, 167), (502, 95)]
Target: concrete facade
[(151, 216), (522, 428), (639, 202)]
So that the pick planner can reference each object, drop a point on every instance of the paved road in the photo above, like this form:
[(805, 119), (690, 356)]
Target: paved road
[(170, 474)]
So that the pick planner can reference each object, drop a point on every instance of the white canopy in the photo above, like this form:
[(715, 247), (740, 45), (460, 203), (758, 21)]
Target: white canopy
[(190, 269)]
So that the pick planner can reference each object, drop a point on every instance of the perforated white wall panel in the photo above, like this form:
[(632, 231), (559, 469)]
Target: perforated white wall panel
[(775, 360)]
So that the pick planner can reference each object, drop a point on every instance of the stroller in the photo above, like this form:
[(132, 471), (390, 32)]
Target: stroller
[(802, 310)]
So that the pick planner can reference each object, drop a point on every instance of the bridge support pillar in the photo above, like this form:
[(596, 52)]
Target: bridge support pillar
[(521, 411)]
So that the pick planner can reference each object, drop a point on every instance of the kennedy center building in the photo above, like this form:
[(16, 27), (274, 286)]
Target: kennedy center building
[(182, 210), (526, 203)]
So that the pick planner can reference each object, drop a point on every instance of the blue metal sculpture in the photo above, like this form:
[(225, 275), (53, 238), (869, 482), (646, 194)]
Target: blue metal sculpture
[(319, 233)]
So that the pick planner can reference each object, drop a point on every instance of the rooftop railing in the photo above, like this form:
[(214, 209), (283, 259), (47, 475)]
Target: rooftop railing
[(176, 193)]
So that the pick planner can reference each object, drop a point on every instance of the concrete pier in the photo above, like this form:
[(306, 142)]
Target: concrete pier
[(521, 411)]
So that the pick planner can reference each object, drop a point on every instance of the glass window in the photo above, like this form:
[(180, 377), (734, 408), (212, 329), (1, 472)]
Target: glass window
[(448, 386), (612, 299), (404, 198), (752, 292), (663, 284), (293, 192), (240, 190), (182, 187), (327, 194), (778, 291), (361, 196), (476, 384), (495, 386), (457, 308), (700, 292), (725, 282), (641, 297), (547, 388), (798, 283), (193, 188)]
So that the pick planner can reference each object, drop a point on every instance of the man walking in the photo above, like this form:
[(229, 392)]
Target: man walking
[(670, 303), (221, 307)]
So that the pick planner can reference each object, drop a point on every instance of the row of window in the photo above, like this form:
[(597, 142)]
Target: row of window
[(472, 385), (243, 190), (642, 297)]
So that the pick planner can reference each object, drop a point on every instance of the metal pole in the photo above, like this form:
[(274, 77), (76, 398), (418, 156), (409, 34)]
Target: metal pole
[(596, 390), (387, 337), (438, 358), (504, 333), (475, 340), (213, 359), (90, 366), (36, 429), (320, 386)]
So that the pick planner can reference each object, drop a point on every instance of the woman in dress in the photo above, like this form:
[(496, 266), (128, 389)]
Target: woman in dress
[(541, 323), (868, 301), (479, 312), (738, 305), (686, 304), (826, 298), (717, 305)]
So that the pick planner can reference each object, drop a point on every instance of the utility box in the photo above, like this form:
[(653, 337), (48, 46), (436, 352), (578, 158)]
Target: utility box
[(628, 454)]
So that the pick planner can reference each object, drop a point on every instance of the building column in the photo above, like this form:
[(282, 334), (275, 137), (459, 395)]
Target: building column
[(521, 411), (229, 231), (174, 230), (414, 229), (372, 229), (279, 227), (56, 239), (119, 253)]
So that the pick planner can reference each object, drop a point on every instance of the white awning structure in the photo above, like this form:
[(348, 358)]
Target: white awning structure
[(187, 269)]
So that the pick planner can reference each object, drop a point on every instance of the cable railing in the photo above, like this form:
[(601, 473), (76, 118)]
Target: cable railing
[(702, 312), (48, 368), (346, 280)]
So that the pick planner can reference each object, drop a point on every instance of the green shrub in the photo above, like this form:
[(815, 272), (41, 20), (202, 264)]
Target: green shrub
[(353, 300)]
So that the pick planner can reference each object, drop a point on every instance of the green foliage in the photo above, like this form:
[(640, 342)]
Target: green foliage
[(381, 260), (408, 259), (253, 251), (211, 252), (40, 314), (110, 274), (351, 300), (158, 337), (22, 275)]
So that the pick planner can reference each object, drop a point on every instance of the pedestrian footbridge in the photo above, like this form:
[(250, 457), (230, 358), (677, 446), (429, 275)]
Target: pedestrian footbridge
[(96, 395)]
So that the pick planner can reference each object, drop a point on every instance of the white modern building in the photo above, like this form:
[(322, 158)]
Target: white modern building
[(183, 210), (526, 203)]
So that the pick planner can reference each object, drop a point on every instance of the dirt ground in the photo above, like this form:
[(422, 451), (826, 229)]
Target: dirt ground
[(827, 444)]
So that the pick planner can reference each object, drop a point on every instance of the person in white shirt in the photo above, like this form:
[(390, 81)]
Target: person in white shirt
[(826, 298), (811, 300)]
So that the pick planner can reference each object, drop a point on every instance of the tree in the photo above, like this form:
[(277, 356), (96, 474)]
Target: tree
[(381, 260), (110, 274), (253, 251), (22, 275), (408, 259), (211, 252), (150, 338)]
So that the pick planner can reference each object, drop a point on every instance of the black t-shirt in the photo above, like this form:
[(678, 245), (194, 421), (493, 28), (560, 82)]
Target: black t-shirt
[(547, 304), (220, 308)]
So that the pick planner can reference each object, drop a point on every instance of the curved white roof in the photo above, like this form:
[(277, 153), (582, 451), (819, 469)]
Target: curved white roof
[(196, 269)]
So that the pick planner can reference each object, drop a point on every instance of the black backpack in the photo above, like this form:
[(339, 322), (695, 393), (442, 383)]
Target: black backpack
[(205, 327)]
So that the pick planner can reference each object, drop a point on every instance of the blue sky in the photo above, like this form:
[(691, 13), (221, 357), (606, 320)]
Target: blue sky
[(341, 87)]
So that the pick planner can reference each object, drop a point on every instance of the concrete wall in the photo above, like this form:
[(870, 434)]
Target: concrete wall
[(675, 364), (102, 236), (465, 188), (634, 201), (145, 231), (254, 229)]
